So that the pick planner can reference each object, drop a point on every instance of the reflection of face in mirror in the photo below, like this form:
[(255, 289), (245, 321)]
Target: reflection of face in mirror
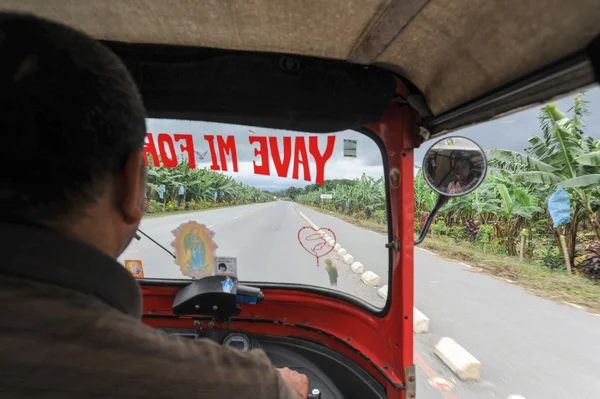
[(454, 167), (462, 169)]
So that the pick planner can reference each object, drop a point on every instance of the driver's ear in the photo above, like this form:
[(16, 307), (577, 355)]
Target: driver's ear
[(132, 187)]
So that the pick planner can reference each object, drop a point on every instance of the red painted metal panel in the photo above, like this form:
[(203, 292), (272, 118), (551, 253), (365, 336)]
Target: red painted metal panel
[(382, 345)]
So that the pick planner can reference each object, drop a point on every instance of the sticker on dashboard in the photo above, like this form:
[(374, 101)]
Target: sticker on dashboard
[(225, 266), (135, 268), (194, 250)]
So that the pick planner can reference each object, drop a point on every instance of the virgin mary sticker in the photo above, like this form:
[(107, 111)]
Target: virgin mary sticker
[(194, 250)]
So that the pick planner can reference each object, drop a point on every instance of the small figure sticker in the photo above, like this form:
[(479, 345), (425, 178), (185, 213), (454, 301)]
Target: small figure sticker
[(135, 268), (395, 178), (226, 266), (332, 272), (227, 285), (194, 250)]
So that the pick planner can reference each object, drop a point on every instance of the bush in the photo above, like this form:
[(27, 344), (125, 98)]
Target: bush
[(549, 256), (171, 206), (153, 206), (380, 216), (439, 228), (485, 233), (457, 232), (588, 264)]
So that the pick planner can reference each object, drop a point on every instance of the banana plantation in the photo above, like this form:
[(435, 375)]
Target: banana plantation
[(362, 198), (508, 214), (182, 188)]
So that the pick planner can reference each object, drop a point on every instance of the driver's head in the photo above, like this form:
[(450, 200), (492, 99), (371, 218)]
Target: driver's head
[(72, 128)]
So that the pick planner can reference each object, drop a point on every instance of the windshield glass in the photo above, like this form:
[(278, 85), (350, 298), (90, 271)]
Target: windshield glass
[(264, 205)]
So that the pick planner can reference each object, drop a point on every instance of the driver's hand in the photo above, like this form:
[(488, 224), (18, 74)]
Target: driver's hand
[(296, 380)]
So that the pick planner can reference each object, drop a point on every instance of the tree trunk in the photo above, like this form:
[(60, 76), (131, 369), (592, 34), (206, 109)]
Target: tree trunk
[(571, 236), (595, 223), (522, 248), (565, 253), (510, 244)]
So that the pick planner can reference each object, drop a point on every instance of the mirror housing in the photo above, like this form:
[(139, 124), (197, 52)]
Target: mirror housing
[(452, 167)]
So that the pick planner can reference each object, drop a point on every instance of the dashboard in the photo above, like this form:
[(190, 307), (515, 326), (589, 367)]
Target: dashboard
[(330, 374)]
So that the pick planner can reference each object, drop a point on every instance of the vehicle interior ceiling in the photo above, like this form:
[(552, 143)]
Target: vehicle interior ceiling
[(284, 65), (464, 62)]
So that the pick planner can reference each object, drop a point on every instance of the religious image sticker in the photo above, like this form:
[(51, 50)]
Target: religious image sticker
[(194, 250), (135, 268)]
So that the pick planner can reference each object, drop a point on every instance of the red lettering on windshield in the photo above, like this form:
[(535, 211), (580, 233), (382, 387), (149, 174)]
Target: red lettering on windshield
[(187, 146), (320, 159), (227, 147), (300, 157), (282, 166), (213, 154), (150, 149), (263, 152), (223, 150), (169, 160)]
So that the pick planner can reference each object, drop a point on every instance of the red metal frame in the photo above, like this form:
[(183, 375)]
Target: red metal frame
[(383, 346)]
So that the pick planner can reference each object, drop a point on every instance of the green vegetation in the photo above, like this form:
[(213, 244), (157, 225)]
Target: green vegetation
[(362, 198), (202, 189), (504, 226)]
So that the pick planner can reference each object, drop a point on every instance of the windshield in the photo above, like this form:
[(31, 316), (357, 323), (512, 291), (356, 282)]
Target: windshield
[(264, 205)]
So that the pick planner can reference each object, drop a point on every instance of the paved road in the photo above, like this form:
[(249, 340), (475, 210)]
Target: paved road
[(528, 346), (263, 238)]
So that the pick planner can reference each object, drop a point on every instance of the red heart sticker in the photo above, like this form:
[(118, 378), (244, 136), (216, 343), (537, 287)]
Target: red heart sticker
[(314, 243)]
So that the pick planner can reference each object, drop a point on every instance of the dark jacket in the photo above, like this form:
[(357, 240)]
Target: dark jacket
[(70, 328)]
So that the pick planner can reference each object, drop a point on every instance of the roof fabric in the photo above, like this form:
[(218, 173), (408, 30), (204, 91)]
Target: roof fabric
[(452, 50)]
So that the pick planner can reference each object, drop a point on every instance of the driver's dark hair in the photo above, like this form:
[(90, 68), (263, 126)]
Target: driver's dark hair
[(70, 115)]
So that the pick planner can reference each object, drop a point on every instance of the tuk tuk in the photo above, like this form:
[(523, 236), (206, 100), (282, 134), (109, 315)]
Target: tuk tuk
[(283, 90)]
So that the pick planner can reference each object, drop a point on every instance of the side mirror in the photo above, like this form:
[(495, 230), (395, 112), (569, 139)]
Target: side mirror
[(452, 167)]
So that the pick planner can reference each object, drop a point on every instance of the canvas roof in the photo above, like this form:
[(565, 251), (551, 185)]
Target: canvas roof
[(453, 51)]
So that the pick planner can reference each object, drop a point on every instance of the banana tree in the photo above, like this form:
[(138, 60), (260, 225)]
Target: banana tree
[(562, 157), (513, 207)]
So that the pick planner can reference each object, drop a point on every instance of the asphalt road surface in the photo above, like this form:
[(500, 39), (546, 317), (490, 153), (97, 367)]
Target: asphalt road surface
[(528, 346), (264, 239)]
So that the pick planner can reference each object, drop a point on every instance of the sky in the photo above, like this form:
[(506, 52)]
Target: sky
[(510, 132)]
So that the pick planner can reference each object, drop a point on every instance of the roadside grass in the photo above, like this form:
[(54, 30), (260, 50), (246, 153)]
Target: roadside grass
[(539, 280), (183, 212)]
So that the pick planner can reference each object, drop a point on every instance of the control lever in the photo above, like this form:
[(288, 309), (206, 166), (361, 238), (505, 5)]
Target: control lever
[(314, 394)]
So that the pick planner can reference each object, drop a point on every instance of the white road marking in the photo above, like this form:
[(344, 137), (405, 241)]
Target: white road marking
[(369, 278), (464, 264), (575, 306), (239, 216), (440, 383), (424, 250), (420, 322), (461, 362)]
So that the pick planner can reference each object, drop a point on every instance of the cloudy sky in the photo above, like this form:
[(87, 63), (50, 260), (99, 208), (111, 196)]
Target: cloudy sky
[(510, 132)]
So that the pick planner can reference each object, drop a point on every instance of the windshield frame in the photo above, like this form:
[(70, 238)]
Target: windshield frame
[(334, 294)]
